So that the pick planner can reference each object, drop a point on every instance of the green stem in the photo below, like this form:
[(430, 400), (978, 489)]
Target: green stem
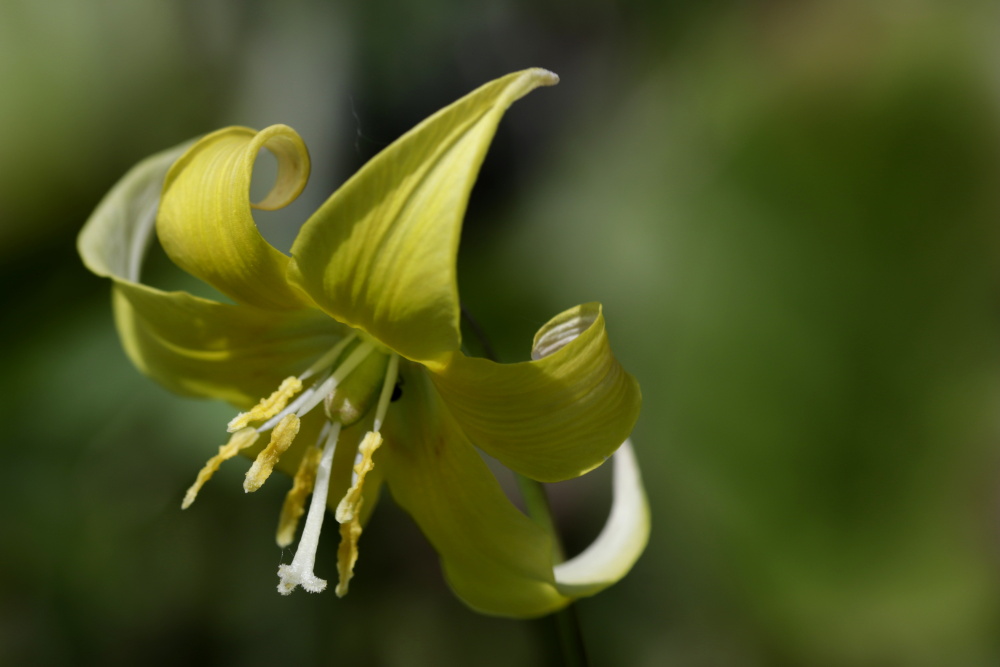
[(571, 637), (567, 622)]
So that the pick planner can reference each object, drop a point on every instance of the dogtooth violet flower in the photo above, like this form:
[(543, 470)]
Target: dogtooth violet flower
[(345, 357)]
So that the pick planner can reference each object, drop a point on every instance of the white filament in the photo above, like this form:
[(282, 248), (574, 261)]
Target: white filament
[(359, 354)]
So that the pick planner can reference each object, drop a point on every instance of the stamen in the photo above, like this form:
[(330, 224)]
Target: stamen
[(347, 552), (292, 407), (281, 439), (240, 440), (356, 357), (348, 506), (300, 572), (388, 386), (268, 407), (318, 366), (327, 359), (351, 502), (294, 506), (349, 509)]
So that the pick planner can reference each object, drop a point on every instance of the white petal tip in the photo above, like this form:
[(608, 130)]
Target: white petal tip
[(546, 78), (621, 541)]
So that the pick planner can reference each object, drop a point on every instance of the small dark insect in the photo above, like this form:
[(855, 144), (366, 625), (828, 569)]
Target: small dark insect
[(397, 391)]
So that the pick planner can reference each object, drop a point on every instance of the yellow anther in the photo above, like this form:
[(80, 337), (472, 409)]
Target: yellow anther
[(281, 439), (350, 504), (240, 440), (295, 502), (270, 406), (347, 552)]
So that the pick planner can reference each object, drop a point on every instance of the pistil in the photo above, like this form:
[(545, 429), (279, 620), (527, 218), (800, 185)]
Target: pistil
[(300, 572), (295, 500)]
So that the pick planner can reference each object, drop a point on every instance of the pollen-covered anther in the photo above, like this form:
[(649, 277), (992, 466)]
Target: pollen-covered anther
[(295, 501), (350, 505), (268, 407), (347, 552), (240, 440), (281, 439)]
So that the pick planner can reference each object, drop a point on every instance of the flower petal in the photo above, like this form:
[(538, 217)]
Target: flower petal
[(621, 541), (115, 238), (379, 255), (553, 418), (495, 559), (205, 223), (199, 347), (189, 344)]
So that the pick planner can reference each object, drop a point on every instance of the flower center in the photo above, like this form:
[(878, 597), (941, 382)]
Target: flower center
[(351, 378)]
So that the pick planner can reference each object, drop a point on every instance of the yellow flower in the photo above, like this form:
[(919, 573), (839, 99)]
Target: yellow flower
[(347, 354)]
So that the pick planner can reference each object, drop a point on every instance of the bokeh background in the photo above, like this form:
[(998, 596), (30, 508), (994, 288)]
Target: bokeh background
[(788, 208)]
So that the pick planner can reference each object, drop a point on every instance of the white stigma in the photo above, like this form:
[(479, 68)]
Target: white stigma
[(300, 572)]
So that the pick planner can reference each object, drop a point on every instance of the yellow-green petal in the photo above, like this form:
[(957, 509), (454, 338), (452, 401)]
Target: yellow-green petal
[(553, 418), (205, 222), (114, 240), (494, 558), (202, 348), (191, 345), (379, 255)]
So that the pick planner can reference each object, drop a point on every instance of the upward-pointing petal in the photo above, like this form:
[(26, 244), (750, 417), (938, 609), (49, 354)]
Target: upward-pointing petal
[(379, 255)]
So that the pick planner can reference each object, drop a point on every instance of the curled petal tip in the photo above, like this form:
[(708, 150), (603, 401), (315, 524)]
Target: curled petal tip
[(546, 77), (622, 540)]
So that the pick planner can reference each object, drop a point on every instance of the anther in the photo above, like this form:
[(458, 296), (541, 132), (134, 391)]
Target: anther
[(349, 509), (240, 440), (351, 502), (268, 407), (281, 439), (347, 552)]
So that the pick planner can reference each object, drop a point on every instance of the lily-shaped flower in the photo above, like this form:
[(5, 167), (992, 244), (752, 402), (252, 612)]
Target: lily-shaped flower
[(354, 344)]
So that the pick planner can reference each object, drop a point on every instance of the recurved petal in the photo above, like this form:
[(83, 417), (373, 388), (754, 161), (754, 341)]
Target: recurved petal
[(114, 240), (495, 559), (553, 418), (202, 348), (379, 255), (621, 541), (191, 345), (205, 222)]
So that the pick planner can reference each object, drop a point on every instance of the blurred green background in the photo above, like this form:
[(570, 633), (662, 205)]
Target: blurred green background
[(789, 210)]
